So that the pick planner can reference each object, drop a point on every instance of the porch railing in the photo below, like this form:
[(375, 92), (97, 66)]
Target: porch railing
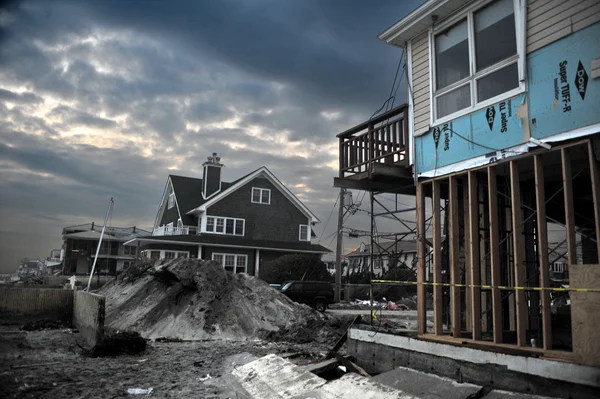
[(383, 139), (171, 231)]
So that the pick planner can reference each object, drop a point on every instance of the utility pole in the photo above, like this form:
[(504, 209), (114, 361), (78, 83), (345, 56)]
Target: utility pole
[(339, 249)]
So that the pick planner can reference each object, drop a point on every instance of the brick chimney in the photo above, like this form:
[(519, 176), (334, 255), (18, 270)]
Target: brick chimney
[(211, 180)]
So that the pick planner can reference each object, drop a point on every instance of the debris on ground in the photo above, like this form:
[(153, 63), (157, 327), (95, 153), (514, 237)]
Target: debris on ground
[(191, 299), (140, 391), (44, 324), (117, 342)]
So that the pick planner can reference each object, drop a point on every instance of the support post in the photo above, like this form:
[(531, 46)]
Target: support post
[(519, 253), (467, 245), (257, 263), (454, 256), (437, 261), (474, 252), (595, 178), (569, 210), (339, 247), (495, 255), (421, 254), (542, 249)]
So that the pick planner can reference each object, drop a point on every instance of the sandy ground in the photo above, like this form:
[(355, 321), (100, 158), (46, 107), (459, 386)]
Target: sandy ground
[(48, 364)]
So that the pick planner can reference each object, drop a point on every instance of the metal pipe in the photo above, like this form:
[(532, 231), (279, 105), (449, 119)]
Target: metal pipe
[(110, 204)]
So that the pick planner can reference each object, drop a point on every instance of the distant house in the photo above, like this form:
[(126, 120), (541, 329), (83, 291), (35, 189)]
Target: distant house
[(385, 255), (80, 243), (244, 224)]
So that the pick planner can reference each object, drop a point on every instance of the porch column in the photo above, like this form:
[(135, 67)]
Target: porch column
[(199, 251), (257, 263)]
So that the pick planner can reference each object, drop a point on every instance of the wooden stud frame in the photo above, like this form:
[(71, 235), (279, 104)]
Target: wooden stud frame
[(595, 178), (421, 254), (437, 260), (519, 253), (495, 254), (474, 261), (454, 256)]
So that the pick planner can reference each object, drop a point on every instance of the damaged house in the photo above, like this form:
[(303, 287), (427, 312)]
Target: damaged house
[(244, 224), (500, 144)]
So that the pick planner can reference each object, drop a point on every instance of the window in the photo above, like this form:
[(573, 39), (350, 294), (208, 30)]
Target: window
[(169, 255), (171, 201), (232, 262), (475, 60), (223, 225), (182, 254), (261, 195), (304, 232), (129, 250)]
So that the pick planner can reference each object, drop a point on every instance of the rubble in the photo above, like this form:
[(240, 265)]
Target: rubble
[(191, 299)]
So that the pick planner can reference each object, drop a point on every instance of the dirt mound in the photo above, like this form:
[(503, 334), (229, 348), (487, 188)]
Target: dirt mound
[(192, 299)]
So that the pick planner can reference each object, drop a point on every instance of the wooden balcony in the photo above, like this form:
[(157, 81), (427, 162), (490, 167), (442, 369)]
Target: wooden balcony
[(374, 155)]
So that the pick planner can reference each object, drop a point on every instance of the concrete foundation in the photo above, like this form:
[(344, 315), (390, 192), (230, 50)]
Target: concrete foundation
[(88, 317), (20, 305), (379, 352)]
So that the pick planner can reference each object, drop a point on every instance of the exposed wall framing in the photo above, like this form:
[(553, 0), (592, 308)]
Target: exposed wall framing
[(498, 284)]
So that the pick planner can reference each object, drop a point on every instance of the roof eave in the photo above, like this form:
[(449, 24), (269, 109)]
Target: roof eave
[(410, 26)]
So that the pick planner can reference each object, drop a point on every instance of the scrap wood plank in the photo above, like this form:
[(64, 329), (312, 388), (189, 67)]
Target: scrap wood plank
[(344, 337), (351, 367)]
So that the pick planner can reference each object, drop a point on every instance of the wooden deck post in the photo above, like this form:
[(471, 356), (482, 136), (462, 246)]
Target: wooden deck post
[(454, 256), (421, 254), (495, 255), (474, 252), (519, 253), (437, 261), (542, 249)]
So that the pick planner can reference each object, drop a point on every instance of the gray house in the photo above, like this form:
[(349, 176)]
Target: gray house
[(244, 224)]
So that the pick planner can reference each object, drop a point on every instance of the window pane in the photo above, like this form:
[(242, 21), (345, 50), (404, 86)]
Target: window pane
[(495, 37), (303, 233), (210, 224), (266, 196), (454, 101), (255, 195), (220, 225), (229, 260), (169, 255), (452, 55), (498, 82), (229, 226), (239, 227), (218, 258)]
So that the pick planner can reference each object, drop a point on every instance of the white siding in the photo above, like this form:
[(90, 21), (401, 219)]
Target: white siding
[(549, 21), (420, 79)]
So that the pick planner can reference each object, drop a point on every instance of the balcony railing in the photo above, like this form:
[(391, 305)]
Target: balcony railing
[(171, 231), (383, 139)]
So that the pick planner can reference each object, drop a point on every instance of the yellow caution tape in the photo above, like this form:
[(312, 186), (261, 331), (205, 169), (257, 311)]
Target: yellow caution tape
[(500, 287)]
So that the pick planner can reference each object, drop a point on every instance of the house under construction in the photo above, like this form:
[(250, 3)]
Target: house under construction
[(500, 143)]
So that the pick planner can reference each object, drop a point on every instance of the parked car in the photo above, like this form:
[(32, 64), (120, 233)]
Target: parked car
[(318, 294)]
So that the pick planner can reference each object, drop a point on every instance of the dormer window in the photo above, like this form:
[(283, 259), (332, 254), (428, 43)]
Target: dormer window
[(475, 60), (171, 201), (261, 195), (304, 232)]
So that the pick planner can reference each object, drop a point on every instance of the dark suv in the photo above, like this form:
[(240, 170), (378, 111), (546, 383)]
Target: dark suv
[(318, 294)]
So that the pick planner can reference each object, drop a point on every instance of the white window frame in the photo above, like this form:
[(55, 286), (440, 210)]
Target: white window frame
[(235, 260), (519, 12), (262, 191), (307, 232), (224, 219), (171, 201)]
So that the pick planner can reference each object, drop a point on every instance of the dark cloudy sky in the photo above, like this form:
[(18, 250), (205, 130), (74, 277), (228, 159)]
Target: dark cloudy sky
[(103, 99)]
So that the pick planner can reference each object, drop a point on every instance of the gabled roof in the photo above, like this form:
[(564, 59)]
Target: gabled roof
[(262, 171)]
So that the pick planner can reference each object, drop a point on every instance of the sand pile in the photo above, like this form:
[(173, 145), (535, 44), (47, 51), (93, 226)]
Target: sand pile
[(194, 299)]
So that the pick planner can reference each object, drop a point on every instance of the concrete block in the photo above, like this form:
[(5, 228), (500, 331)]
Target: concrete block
[(88, 317), (20, 305), (427, 386), (272, 377), (354, 386)]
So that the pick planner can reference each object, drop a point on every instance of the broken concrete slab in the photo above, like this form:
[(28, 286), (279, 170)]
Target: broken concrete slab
[(354, 386), (426, 385), (272, 377), (498, 394)]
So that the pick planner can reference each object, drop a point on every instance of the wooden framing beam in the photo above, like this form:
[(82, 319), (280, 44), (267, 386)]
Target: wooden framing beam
[(437, 261), (474, 252), (595, 178), (542, 249), (495, 255), (454, 242), (569, 210), (519, 253), (421, 255), (467, 245)]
